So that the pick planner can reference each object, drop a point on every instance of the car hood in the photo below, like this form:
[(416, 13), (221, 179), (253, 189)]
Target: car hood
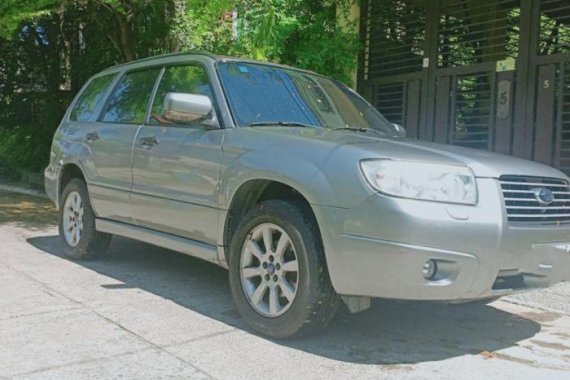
[(368, 145), (483, 163)]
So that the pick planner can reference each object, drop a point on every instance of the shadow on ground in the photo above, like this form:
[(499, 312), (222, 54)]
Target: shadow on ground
[(390, 333), (26, 211)]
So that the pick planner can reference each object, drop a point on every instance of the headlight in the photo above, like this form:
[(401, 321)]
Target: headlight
[(417, 180)]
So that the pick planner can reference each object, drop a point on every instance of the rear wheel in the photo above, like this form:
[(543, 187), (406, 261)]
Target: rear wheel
[(278, 274), (77, 224)]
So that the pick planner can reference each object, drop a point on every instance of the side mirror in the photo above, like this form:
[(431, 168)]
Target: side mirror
[(186, 108), (400, 129)]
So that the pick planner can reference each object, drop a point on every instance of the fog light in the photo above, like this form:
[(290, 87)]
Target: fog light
[(430, 269)]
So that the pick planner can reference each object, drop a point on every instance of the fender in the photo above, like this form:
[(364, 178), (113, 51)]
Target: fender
[(292, 157), (302, 175), (299, 158)]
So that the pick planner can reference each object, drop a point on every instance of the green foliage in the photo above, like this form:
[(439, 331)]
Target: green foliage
[(318, 44), (302, 33), (13, 12), (51, 47), (23, 148), (26, 145), (202, 24)]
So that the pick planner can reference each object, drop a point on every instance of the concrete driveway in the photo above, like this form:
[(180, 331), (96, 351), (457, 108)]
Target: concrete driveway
[(143, 313)]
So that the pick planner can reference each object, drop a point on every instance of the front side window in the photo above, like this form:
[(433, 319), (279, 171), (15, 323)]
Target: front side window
[(129, 100), (265, 94), (91, 98), (189, 79)]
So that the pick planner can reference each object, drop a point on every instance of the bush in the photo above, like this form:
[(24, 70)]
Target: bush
[(22, 149)]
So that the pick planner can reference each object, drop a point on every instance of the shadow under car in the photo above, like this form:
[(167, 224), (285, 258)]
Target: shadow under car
[(391, 332)]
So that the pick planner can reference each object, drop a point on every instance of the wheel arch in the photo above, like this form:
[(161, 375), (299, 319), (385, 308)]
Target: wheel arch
[(68, 172), (253, 192)]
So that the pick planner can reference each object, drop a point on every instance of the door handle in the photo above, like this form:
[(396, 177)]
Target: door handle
[(92, 136), (148, 142)]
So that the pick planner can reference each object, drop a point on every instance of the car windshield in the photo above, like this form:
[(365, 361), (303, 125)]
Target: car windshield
[(265, 95)]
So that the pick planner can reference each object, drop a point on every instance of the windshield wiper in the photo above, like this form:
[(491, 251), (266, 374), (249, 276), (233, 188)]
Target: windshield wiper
[(281, 124), (359, 129)]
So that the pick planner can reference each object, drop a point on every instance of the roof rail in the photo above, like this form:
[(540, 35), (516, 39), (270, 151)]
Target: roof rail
[(154, 57)]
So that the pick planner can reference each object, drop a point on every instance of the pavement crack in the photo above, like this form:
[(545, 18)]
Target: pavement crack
[(160, 348), (197, 339), (39, 313), (79, 362)]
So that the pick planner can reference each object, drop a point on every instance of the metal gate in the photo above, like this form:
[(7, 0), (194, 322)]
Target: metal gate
[(392, 72), (551, 83), (473, 72)]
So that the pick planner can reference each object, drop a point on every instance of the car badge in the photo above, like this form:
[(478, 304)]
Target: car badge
[(544, 196)]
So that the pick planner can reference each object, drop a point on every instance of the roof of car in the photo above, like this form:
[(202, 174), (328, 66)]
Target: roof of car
[(158, 57), (220, 58)]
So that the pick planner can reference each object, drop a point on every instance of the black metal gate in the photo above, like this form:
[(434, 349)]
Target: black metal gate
[(550, 73), (484, 74)]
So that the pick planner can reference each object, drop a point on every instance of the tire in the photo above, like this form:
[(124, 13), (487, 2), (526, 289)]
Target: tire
[(88, 243), (313, 302)]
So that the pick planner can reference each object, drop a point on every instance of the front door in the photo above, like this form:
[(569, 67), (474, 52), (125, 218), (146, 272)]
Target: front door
[(111, 140), (176, 168)]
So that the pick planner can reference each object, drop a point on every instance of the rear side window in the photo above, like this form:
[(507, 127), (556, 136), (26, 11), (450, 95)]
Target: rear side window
[(90, 99), (129, 100), (190, 79)]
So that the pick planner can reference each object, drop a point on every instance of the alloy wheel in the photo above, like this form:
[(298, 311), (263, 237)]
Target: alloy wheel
[(73, 218), (269, 270)]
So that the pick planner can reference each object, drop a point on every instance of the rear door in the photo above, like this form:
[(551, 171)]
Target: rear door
[(176, 167), (111, 140)]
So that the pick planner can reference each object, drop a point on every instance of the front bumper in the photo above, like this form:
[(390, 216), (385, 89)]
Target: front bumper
[(379, 248)]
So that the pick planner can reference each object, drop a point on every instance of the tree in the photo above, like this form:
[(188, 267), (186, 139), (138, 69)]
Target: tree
[(116, 18), (51, 47)]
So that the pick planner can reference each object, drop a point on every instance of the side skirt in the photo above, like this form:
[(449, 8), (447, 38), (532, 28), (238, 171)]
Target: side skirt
[(187, 246)]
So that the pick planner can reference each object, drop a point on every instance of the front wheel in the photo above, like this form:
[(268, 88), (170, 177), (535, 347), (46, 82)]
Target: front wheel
[(278, 274), (77, 224)]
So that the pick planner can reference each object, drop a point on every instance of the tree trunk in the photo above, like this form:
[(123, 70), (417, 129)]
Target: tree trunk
[(126, 36), (120, 33)]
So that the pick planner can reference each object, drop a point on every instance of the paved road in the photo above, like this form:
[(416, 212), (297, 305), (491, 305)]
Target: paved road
[(143, 312)]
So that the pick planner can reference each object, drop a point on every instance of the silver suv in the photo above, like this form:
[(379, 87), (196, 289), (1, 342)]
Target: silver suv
[(301, 188)]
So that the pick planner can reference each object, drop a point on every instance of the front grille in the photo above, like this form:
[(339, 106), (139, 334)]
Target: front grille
[(523, 207)]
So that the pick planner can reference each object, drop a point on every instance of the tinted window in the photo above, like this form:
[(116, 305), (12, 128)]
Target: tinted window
[(259, 94), (185, 79), (130, 98), (90, 99)]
